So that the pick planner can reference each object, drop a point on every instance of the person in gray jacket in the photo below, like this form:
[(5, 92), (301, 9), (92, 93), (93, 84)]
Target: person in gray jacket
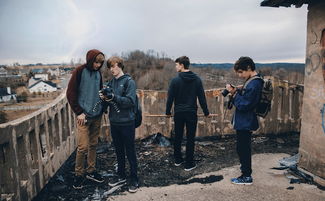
[(122, 99)]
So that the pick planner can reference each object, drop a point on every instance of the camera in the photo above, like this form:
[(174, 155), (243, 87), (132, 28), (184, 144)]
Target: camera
[(107, 92), (225, 92)]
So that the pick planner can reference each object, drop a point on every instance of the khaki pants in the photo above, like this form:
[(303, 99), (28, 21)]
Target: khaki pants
[(87, 138)]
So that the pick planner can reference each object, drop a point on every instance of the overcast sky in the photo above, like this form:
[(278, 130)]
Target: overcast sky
[(54, 31)]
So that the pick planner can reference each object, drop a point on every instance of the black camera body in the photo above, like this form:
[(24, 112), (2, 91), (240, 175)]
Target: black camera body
[(107, 92), (225, 92)]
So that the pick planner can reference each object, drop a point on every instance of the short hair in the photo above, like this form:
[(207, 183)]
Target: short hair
[(183, 60), (113, 60), (244, 63)]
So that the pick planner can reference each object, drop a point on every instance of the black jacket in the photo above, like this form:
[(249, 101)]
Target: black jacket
[(184, 91), (124, 97)]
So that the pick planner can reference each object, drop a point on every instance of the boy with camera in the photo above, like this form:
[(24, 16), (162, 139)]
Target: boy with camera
[(82, 95), (121, 98), (244, 120)]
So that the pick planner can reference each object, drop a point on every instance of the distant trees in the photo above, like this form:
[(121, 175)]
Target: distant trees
[(152, 70)]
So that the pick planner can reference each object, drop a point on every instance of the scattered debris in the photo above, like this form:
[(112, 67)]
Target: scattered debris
[(290, 162), (290, 188), (156, 166), (157, 138), (260, 139), (112, 190)]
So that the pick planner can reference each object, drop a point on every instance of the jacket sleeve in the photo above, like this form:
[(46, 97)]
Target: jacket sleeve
[(72, 91), (248, 99), (202, 99), (127, 100), (170, 97)]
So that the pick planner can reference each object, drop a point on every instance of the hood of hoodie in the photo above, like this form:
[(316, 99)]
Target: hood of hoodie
[(90, 58), (188, 76), (123, 76)]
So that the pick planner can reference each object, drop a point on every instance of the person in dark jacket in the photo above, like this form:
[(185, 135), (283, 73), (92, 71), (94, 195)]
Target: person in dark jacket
[(82, 95), (184, 90), (245, 119), (122, 121)]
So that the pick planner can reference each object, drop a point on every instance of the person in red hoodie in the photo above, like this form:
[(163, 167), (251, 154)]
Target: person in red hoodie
[(83, 97)]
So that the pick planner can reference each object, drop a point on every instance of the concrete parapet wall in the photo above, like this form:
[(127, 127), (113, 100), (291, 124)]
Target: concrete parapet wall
[(34, 147), (284, 116)]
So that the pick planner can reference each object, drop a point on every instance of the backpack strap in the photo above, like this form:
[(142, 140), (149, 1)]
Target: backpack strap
[(250, 79)]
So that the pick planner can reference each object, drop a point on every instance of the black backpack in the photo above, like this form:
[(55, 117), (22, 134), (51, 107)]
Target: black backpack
[(264, 105), (138, 110)]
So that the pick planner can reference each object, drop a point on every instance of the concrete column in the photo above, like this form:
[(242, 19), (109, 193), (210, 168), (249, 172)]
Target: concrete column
[(312, 138)]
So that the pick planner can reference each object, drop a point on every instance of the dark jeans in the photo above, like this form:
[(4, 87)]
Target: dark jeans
[(188, 119), (123, 140), (244, 151)]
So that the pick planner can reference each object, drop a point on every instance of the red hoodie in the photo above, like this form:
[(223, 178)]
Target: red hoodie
[(73, 86)]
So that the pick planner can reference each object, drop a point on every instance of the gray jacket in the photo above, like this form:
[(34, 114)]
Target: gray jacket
[(124, 97)]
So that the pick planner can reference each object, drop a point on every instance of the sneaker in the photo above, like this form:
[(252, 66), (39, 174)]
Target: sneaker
[(78, 182), (94, 176), (116, 181), (242, 180), (133, 186), (190, 166), (178, 162)]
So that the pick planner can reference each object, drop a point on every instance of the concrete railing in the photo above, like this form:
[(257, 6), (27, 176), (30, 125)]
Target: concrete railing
[(34, 147), (285, 115)]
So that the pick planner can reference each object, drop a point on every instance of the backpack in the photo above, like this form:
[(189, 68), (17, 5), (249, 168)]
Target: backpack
[(264, 105), (138, 110)]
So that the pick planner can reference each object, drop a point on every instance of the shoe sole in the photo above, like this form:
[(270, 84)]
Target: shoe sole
[(177, 164), (93, 179), (242, 183), (117, 183), (189, 169), (133, 191)]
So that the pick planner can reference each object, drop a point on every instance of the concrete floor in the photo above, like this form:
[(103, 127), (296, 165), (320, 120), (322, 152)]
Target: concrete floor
[(269, 185)]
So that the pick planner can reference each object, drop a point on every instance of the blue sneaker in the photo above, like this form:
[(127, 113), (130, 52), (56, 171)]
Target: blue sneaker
[(242, 180)]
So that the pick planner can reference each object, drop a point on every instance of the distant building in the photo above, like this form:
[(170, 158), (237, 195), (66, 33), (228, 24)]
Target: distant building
[(42, 76), (32, 81), (54, 72), (3, 71), (6, 95), (43, 87)]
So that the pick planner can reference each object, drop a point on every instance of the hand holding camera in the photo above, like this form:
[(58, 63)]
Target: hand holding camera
[(106, 94), (229, 89)]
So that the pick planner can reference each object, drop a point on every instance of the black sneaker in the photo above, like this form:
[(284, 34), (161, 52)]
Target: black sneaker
[(78, 182), (242, 180), (190, 166), (94, 176), (133, 186), (178, 162), (116, 181)]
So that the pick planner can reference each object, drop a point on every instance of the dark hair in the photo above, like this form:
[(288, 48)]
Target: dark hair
[(183, 60), (113, 60), (244, 63)]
